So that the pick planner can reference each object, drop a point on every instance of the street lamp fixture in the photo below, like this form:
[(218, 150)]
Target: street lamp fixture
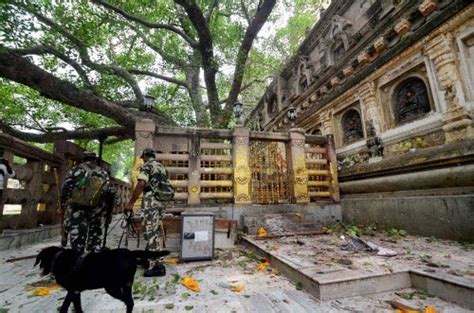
[(148, 102), (291, 113), (238, 110)]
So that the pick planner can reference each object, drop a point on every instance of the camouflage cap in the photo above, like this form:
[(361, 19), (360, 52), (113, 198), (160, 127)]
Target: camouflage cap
[(87, 155), (148, 152)]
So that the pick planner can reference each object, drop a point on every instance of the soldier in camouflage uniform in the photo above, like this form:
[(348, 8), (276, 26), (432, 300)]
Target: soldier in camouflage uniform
[(83, 223), (152, 209)]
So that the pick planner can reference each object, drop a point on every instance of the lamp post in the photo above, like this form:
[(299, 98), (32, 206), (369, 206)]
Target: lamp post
[(238, 110), (291, 113), (148, 102)]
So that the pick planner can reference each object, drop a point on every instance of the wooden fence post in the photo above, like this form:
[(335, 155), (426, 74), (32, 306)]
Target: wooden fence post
[(241, 167), (297, 166)]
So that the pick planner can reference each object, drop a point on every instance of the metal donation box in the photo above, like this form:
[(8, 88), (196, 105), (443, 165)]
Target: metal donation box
[(197, 237)]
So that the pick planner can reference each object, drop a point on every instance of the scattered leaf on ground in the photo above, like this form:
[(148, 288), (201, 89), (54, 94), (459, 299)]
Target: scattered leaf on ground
[(299, 286), (169, 306), (189, 307), (176, 278), (214, 292), (185, 295)]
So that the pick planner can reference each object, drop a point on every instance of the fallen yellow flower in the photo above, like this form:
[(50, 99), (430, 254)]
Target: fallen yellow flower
[(237, 288), (191, 284), (263, 266), (430, 309), (170, 260), (261, 232), (275, 271), (44, 291)]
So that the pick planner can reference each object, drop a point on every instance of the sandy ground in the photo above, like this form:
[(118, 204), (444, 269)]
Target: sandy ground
[(262, 290)]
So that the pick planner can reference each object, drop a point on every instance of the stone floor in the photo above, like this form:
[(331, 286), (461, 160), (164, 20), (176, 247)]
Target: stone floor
[(324, 254), (263, 291)]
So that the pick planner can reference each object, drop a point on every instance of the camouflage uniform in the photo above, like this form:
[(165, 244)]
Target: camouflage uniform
[(152, 209), (83, 223)]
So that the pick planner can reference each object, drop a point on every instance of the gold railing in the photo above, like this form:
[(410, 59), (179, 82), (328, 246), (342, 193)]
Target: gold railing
[(242, 166)]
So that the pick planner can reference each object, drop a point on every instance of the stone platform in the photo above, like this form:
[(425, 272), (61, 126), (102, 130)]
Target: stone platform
[(437, 267)]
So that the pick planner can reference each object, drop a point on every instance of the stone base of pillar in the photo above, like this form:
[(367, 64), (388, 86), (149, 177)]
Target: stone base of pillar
[(375, 159), (458, 125)]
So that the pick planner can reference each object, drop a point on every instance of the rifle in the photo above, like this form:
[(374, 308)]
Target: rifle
[(109, 200)]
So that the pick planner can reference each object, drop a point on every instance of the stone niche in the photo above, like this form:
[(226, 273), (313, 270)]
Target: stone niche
[(406, 97), (350, 125)]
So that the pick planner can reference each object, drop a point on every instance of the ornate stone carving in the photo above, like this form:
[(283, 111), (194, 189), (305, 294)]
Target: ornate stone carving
[(298, 143), (241, 141), (305, 72), (427, 7), (352, 126), (380, 44), (243, 198), (374, 142), (402, 27), (242, 174), (195, 189), (411, 100)]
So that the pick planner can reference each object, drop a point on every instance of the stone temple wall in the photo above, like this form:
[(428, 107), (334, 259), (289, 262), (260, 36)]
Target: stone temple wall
[(390, 80)]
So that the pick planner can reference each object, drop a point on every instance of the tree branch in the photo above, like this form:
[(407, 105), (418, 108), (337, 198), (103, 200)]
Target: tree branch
[(21, 70), (246, 86), (213, 6), (261, 16), (82, 49), (159, 76), (206, 49), (145, 23), (120, 132), (43, 49)]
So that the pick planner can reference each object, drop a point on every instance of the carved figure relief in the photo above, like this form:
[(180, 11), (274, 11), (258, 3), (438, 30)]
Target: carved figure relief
[(411, 100), (374, 142), (305, 72), (338, 40), (352, 126)]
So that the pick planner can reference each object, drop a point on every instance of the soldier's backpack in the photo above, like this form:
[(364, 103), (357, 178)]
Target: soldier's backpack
[(89, 188), (161, 186)]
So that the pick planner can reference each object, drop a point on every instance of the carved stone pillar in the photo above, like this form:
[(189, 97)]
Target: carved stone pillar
[(326, 123), (367, 94), (30, 210), (144, 131), (194, 178), (297, 166), (457, 122), (241, 165)]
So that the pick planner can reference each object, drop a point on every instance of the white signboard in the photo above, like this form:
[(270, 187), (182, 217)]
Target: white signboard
[(197, 237)]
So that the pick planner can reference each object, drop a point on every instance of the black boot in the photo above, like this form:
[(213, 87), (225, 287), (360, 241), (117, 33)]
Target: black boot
[(144, 263), (157, 270)]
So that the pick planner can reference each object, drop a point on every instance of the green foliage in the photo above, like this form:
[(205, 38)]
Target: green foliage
[(112, 40), (396, 233)]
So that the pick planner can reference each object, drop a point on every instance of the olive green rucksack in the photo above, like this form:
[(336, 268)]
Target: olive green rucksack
[(89, 188)]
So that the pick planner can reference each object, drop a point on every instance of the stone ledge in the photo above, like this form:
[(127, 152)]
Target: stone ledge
[(429, 158)]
